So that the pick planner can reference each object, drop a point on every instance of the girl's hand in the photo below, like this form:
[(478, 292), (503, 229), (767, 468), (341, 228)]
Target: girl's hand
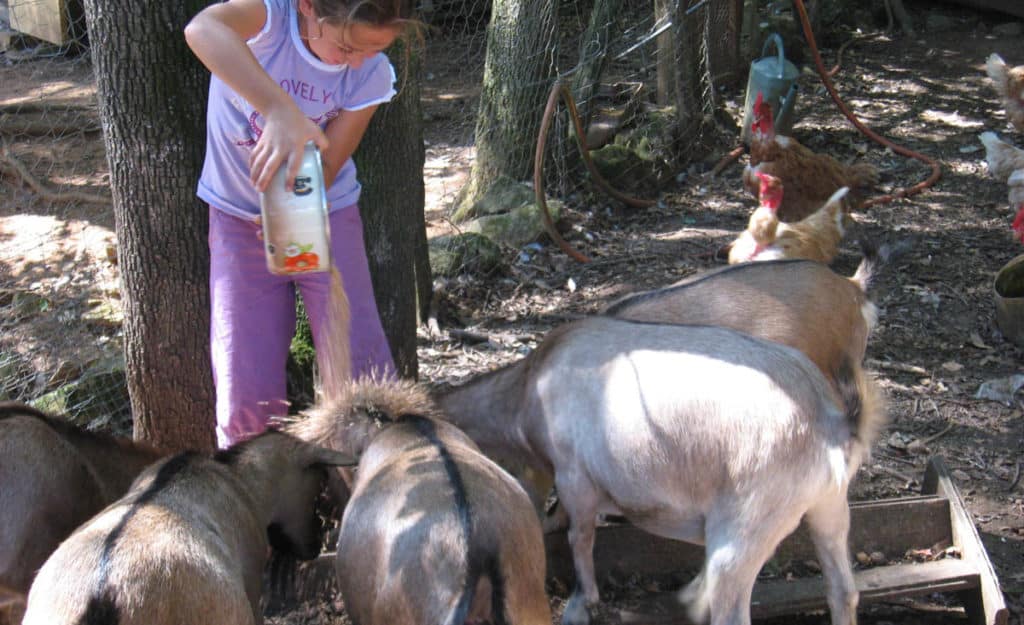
[(283, 141)]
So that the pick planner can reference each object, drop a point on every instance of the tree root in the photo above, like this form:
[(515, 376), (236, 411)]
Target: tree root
[(11, 166)]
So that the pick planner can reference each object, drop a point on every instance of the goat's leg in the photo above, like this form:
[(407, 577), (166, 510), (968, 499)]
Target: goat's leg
[(735, 551), (581, 507), (829, 526)]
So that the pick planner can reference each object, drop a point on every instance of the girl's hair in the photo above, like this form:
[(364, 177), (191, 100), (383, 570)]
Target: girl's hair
[(396, 13), (368, 12)]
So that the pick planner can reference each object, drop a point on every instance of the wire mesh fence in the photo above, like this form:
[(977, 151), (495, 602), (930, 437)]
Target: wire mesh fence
[(644, 76), (60, 346)]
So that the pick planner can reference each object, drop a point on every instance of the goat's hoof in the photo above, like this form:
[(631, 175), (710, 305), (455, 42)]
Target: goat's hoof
[(576, 612)]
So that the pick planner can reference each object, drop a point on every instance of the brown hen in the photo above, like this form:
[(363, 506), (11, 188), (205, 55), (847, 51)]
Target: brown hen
[(810, 179)]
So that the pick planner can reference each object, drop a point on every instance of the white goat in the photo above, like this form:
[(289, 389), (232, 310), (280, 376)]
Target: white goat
[(55, 476), (187, 544), (696, 433), (434, 532), (800, 303)]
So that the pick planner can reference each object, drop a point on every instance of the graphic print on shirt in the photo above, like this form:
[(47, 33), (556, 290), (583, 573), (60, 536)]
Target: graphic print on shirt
[(256, 125)]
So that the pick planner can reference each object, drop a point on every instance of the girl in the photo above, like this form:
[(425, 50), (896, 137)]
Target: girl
[(285, 72)]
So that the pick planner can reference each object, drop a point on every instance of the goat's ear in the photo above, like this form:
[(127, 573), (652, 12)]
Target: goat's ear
[(332, 458)]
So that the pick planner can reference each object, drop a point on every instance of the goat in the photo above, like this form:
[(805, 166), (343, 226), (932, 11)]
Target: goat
[(188, 543), (800, 303), (434, 532), (55, 476), (697, 433)]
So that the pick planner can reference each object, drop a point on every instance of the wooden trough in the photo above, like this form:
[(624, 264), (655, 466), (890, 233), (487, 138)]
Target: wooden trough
[(892, 526)]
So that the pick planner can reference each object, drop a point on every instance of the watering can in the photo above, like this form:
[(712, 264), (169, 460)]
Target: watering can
[(775, 78)]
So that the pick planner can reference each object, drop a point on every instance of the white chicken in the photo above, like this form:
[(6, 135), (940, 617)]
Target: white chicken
[(1009, 84), (1001, 157)]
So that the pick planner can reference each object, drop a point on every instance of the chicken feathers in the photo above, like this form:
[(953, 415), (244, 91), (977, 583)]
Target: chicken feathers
[(816, 237), (1001, 157), (810, 179), (1009, 84)]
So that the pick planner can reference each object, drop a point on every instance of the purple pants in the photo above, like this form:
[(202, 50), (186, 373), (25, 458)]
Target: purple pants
[(252, 318)]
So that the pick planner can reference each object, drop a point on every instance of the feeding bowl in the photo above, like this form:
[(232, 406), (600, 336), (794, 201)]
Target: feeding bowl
[(1008, 292)]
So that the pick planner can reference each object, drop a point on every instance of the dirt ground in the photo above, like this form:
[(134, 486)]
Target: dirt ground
[(936, 343)]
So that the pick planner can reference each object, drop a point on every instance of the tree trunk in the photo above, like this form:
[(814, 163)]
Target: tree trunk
[(725, 24), (749, 38), (518, 75), (152, 96), (688, 33), (390, 162), (666, 54), (593, 55)]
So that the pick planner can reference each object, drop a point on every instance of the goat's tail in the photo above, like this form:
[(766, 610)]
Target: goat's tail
[(483, 596), (862, 399), (874, 257), (101, 609)]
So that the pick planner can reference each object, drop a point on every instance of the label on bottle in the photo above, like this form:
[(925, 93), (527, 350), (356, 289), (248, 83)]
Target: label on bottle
[(295, 227)]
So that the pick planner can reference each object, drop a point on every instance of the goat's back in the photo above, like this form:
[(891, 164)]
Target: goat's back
[(799, 303), (429, 512), (48, 490), (650, 403), (171, 551)]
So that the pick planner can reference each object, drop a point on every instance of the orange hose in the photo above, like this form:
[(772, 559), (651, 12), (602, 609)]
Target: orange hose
[(936, 170), (559, 90)]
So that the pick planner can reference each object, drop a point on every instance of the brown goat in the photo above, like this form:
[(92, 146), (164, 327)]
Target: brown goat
[(187, 544), (434, 532), (55, 476), (800, 303)]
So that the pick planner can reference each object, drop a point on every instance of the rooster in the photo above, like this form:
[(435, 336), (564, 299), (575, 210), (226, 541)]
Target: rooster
[(809, 178), (1009, 84), (1018, 223), (1016, 184), (815, 237), (1001, 157)]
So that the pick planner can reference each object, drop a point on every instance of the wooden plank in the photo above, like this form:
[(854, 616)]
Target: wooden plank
[(990, 607), (43, 19), (312, 580), (779, 598), (891, 526)]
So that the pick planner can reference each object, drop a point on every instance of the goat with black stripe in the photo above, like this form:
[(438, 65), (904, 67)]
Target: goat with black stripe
[(188, 543), (434, 532)]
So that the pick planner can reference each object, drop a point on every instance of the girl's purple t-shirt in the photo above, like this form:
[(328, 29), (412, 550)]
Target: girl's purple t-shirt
[(320, 90)]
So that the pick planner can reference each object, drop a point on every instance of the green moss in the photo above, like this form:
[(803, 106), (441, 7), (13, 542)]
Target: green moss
[(301, 366)]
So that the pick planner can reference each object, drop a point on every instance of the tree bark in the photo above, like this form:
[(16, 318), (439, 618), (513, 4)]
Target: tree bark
[(725, 25), (688, 32), (593, 55), (152, 96), (518, 74), (666, 54), (390, 161)]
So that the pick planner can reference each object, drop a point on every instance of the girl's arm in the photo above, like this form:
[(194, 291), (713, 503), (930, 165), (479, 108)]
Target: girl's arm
[(344, 133), (217, 36)]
